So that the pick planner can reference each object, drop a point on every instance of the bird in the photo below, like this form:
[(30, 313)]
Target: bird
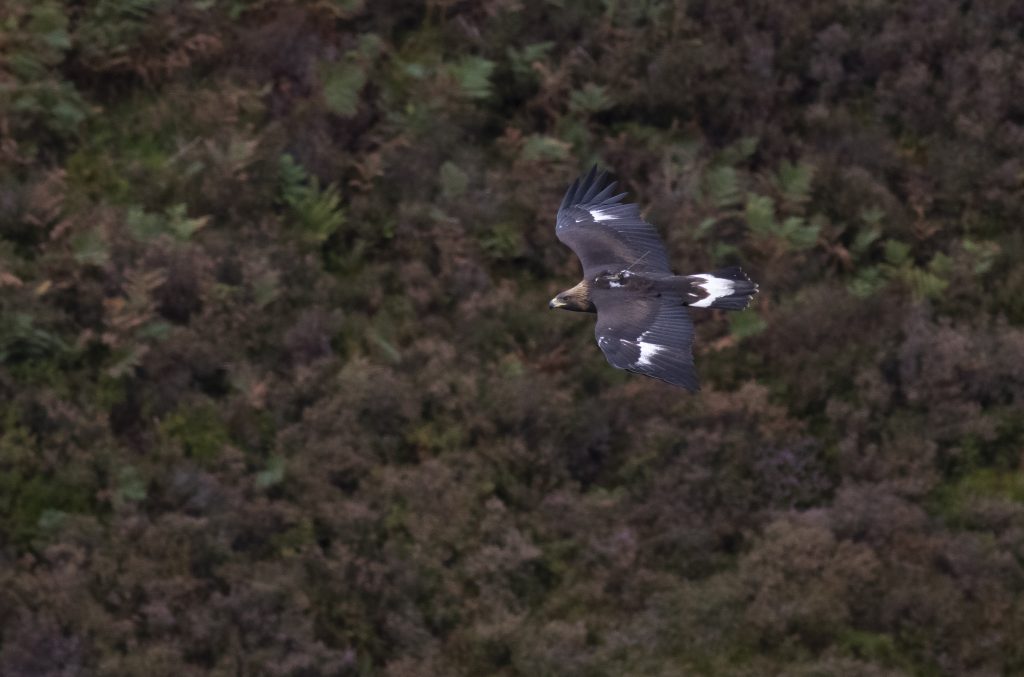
[(643, 322)]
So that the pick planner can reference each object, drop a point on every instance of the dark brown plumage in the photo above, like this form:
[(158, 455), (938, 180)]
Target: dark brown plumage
[(642, 322)]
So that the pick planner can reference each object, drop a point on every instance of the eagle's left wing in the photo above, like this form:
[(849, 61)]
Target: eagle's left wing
[(606, 234), (651, 335)]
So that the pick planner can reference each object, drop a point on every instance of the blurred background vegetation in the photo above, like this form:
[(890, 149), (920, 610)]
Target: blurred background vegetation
[(280, 393)]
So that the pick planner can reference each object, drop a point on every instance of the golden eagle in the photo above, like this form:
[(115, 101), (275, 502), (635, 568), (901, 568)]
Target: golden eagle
[(642, 322)]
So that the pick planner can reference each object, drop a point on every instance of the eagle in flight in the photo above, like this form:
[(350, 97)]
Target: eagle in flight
[(643, 325)]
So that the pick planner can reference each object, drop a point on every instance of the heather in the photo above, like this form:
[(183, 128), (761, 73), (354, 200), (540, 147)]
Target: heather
[(280, 393)]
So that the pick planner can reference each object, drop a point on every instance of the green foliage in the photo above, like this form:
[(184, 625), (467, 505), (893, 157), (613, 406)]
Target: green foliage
[(21, 339), (347, 8), (174, 223), (32, 499), (792, 232), (989, 482), (591, 98), (961, 501), (867, 282), (199, 430), (875, 647), (89, 247), (317, 211), (473, 76), (110, 29), (522, 59), (795, 181), (724, 187), (540, 147), (342, 83), (504, 241), (34, 39), (931, 281), (983, 254), (746, 324), (928, 281), (453, 180), (865, 238), (273, 474), (130, 485), (32, 504), (778, 225), (896, 252)]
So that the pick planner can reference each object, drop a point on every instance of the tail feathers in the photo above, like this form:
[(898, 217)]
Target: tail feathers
[(727, 289)]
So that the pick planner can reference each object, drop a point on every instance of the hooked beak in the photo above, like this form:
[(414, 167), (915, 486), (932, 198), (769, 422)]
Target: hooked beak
[(556, 303)]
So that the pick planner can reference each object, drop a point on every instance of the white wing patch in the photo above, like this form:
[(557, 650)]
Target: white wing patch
[(716, 287), (647, 350), (598, 215)]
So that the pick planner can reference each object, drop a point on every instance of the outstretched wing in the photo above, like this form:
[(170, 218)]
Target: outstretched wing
[(647, 335), (606, 234)]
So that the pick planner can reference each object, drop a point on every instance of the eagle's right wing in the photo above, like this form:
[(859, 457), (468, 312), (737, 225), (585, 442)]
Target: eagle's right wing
[(651, 335), (607, 235)]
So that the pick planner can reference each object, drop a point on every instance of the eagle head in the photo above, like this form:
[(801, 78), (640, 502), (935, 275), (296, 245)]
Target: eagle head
[(577, 299)]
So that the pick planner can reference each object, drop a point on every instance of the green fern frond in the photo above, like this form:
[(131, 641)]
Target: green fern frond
[(317, 210)]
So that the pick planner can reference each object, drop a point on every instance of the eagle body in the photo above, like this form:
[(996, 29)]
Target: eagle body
[(643, 324)]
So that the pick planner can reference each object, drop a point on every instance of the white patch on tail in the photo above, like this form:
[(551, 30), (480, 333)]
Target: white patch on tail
[(716, 287)]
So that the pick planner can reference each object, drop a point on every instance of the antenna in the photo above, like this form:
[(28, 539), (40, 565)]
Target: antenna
[(642, 257)]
